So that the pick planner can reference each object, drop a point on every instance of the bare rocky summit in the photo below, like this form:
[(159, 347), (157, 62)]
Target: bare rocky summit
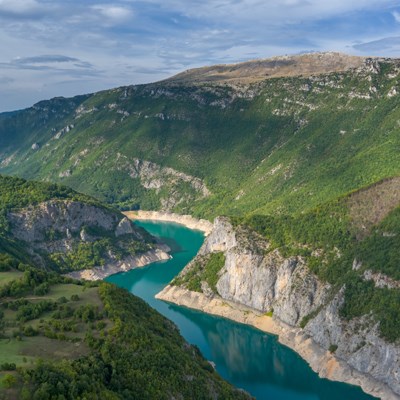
[(275, 67)]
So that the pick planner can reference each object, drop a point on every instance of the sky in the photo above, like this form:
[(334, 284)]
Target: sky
[(52, 48)]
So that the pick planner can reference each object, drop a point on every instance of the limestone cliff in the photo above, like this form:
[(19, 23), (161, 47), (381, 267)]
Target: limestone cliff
[(68, 235), (261, 279)]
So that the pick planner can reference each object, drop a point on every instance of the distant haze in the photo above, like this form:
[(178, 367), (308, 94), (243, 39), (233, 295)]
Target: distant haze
[(63, 48)]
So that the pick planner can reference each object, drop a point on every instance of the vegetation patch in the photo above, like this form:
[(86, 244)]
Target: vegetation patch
[(204, 268)]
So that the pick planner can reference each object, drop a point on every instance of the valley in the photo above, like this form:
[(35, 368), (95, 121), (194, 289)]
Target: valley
[(72, 338), (292, 164)]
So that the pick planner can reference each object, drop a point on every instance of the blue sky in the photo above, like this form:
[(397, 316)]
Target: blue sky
[(67, 47)]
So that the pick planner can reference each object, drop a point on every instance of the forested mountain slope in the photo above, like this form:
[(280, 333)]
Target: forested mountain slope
[(58, 229), (219, 147), (63, 338)]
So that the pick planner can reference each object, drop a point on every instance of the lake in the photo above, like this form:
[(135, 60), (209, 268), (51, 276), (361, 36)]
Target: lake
[(246, 357)]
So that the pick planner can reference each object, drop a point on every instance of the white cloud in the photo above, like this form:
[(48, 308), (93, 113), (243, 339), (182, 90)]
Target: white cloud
[(396, 16), (114, 13), (389, 45)]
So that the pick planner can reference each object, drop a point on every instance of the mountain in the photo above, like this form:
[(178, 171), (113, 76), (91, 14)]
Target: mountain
[(275, 67), (209, 148), (301, 154), (63, 338)]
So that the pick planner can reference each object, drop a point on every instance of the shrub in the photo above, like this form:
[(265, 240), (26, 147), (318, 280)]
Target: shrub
[(333, 348), (9, 381)]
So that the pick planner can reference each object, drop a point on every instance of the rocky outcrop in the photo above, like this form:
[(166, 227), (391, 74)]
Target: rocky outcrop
[(381, 280), (68, 234), (124, 227), (358, 343), (34, 224), (261, 281), (264, 282), (155, 177), (187, 220)]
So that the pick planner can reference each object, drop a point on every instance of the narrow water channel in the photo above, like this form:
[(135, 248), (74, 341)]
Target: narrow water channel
[(246, 357)]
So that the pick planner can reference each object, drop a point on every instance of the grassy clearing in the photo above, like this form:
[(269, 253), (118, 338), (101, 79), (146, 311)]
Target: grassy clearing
[(11, 351), (8, 276), (67, 290)]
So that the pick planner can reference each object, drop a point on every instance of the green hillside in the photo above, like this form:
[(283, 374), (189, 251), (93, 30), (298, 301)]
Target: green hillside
[(287, 143), (48, 225), (61, 338)]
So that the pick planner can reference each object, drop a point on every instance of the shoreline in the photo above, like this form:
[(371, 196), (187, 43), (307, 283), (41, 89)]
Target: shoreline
[(321, 361), (187, 220), (128, 263)]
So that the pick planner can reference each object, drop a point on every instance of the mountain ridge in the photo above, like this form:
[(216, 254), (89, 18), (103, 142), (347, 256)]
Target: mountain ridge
[(252, 71)]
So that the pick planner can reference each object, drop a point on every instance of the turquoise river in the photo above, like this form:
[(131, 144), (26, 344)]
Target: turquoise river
[(246, 357)]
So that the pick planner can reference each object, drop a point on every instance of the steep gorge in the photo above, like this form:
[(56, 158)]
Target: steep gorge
[(305, 311)]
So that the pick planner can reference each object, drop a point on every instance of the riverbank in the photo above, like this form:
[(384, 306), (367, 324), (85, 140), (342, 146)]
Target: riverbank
[(321, 361), (186, 220), (126, 264)]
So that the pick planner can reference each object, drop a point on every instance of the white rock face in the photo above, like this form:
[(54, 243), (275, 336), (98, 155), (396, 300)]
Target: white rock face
[(153, 176), (263, 281), (126, 264), (59, 226), (358, 343)]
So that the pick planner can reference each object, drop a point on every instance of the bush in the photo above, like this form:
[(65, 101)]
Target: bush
[(333, 348), (8, 367), (42, 289), (9, 381)]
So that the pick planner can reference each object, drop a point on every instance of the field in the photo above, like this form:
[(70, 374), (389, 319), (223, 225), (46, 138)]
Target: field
[(21, 350)]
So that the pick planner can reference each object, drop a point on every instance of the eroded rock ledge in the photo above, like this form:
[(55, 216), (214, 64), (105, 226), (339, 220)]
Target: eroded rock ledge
[(186, 220), (126, 264)]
